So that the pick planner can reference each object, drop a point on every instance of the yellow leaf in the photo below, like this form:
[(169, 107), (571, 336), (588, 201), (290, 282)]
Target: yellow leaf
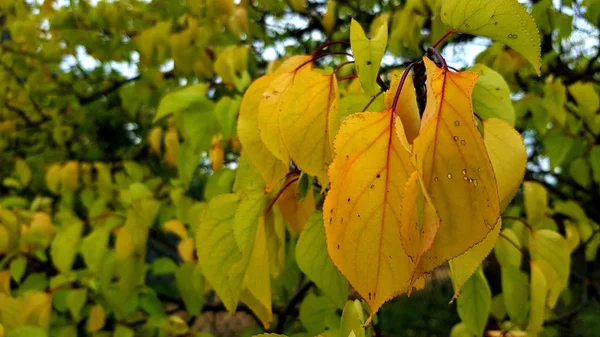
[(124, 244), (176, 227), (53, 177), (1, 330), (505, 21), (96, 319), (508, 155), (70, 176), (216, 154), (155, 139), (362, 210), (185, 248), (273, 99), (171, 146), (4, 240), (309, 120), (5, 282), (407, 109), (368, 54), (296, 214), (536, 201), (271, 169), (457, 173), (36, 309), (42, 223), (328, 20), (419, 221), (298, 5)]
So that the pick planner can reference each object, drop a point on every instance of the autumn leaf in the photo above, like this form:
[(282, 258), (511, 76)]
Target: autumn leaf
[(271, 104), (456, 170), (309, 119), (508, 155), (271, 169), (296, 213), (504, 21), (407, 110), (362, 210)]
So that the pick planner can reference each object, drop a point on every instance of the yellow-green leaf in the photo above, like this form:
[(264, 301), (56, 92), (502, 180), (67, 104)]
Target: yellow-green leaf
[(312, 259), (515, 290), (537, 307), (271, 169), (368, 54), (217, 248), (65, 245), (504, 21), (463, 266), (507, 152), (536, 201), (475, 303), (491, 95)]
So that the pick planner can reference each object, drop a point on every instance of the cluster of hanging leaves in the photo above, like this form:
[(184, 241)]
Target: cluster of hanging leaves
[(288, 187)]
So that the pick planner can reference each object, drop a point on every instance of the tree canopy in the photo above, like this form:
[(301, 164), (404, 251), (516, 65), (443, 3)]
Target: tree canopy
[(304, 168)]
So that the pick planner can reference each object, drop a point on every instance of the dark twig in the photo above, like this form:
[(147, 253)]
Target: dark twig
[(289, 308)]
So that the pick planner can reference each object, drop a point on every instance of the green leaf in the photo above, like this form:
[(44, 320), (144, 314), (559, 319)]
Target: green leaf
[(94, 247), (550, 251), (461, 330), (150, 303), (555, 97), (164, 266), (17, 268), (177, 101), (595, 162), (556, 148), (515, 291), (475, 303), (217, 249), (537, 307), (220, 182), (23, 172), (496, 20), (506, 252), (123, 331), (246, 176), (313, 260), (498, 307), (226, 112), (65, 245), (75, 301), (353, 319), (304, 187), (191, 287), (586, 98), (27, 331), (368, 54), (580, 172), (353, 103), (491, 95), (314, 312)]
